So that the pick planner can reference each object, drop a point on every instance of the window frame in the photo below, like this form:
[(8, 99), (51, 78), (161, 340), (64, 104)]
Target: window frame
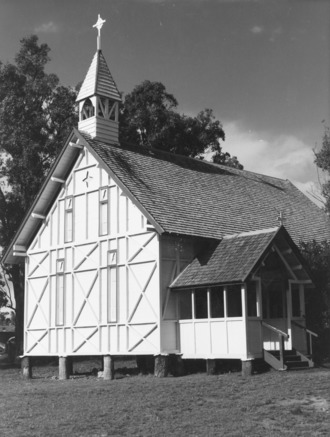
[(104, 203), (68, 213), (225, 292), (60, 292), (112, 292)]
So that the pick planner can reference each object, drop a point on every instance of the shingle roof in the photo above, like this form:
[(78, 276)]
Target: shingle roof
[(230, 260), (192, 197), (98, 80)]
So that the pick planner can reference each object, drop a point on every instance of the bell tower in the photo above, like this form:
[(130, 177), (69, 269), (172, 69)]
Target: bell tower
[(99, 98)]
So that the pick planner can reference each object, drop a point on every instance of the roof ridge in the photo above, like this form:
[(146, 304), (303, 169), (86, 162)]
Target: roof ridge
[(250, 233), (133, 147)]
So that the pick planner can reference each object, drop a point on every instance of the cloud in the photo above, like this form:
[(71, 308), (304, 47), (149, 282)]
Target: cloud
[(257, 30), (49, 27), (284, 156)]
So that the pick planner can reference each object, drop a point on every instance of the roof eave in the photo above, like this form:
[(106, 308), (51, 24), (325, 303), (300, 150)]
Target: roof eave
[(29, 225)]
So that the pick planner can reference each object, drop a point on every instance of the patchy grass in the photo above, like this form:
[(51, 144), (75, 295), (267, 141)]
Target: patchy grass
[(268, 404)]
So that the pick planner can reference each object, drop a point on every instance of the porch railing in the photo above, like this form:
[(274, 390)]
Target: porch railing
[(282, 336), (309, 335)]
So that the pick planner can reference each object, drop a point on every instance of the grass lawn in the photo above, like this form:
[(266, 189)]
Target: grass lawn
[(266, 404)]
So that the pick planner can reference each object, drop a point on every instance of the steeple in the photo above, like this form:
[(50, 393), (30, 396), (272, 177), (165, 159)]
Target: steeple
[(99, 98)]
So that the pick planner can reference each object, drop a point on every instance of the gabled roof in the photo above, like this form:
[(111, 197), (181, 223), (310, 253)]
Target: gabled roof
[(186, 196), (236, 257), (193, 197), (98, 80)]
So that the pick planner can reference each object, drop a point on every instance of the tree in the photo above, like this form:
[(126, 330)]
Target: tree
[(36, 115), (149, 117), (317, 256), (4, 290), (322, 160)]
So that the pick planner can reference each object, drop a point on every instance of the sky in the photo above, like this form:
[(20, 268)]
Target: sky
[(261, 65)]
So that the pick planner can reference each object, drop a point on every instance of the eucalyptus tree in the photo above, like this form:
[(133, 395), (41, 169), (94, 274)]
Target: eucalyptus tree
[(36, 114)]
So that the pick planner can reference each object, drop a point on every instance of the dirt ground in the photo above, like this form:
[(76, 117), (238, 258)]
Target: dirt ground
[(295, 403)]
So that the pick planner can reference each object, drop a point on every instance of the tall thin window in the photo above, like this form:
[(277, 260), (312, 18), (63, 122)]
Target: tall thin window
[(201, 303), (234, 301), (252, 298), (104, 211), (185, 304), (216, 301), (112, 286), (60, 292), (68, 223)]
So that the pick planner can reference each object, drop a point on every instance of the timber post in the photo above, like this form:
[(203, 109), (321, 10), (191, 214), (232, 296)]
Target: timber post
[(26, 366), (63, 368), (247, 367), (161, 366), (210, 367), (108, 367)]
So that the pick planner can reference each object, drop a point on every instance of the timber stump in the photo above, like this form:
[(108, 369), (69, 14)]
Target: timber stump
[(26, 366), (161, 366)]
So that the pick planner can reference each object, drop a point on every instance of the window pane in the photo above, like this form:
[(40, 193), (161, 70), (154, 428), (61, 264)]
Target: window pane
[(112, 294), (252, 299), (295, 300), (68, 226), (185, 308), (217, 305), (234, 301), (201, 304), (103, 218), (59, 299)]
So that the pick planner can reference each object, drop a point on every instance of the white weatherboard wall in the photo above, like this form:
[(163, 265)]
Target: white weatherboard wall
[(96, 294)]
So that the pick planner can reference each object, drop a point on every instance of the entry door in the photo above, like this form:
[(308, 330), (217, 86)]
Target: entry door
[(274, 312)]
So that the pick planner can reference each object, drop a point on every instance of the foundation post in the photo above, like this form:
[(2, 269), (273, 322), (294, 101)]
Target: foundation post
[(161, 366), (247, 368), (210, 367), (63, 368), (26, 367), (108, 367)]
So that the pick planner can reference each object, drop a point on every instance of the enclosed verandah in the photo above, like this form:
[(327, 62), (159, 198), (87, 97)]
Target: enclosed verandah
[(243, 299)]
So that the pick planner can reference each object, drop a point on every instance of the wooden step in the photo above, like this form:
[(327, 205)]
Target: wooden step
[(296, 365), (293, 360)]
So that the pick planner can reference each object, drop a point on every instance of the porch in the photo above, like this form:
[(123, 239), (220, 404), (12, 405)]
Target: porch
[(261, 316)]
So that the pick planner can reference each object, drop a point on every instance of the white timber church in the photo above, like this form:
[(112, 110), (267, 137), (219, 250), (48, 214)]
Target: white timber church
[(133, 251)]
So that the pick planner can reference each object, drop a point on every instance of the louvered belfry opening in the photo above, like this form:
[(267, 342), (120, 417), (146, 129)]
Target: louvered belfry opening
[(98, 101)]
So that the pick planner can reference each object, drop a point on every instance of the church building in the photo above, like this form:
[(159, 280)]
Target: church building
[(133, 251)]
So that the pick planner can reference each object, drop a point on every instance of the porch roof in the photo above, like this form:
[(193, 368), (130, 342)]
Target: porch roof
[(235, 257)]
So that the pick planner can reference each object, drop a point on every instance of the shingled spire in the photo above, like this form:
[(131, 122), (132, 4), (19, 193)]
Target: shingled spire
[(99, 98)]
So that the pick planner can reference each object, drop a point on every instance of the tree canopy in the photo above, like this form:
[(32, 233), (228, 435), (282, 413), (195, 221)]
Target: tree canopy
[(322, 160), (36, 115), (149, 117)]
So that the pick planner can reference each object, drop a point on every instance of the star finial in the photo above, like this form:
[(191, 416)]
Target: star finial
[(98, 26)]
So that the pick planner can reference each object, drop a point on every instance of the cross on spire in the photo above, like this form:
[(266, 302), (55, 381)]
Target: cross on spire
[(98, 26), (281, 218)]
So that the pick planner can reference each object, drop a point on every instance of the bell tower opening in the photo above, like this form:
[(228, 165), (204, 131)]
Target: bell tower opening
[(87, 110)]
